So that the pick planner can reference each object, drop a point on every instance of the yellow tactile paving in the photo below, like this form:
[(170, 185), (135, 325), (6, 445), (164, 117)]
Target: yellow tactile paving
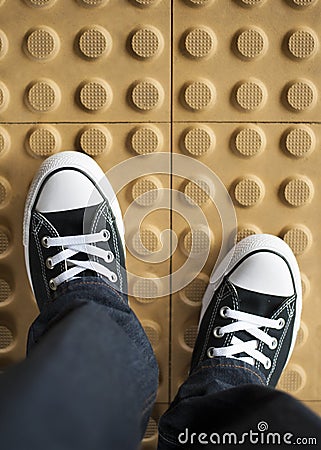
[(272, 195), (233, 84), (30, 143), (269, 73), (97, 68)]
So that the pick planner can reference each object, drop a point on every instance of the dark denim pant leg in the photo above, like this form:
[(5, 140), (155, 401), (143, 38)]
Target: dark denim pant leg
[(225, 395), (89, 381)]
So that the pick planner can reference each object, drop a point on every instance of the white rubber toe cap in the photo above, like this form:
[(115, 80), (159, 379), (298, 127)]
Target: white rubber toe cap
[(66, 190), (264, 272)]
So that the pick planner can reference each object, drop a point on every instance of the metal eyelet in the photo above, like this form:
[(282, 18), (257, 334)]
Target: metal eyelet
[(281, 323), (274, 344), (267, 364), (217, 333), (44, 242), (109, 257), (52, 285), (49, 263), (106, 234), (210, 353), (113, 278), (223, 311)]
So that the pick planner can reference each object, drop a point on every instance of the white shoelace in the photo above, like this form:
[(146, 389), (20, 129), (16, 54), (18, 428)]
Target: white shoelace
[(79, 244), (250, 323)]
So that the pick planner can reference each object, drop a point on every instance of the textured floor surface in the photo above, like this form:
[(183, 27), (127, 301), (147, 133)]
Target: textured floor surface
[(232, 84)]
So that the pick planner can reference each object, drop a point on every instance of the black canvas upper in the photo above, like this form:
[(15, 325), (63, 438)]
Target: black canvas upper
[(269, 306), (74, 222)]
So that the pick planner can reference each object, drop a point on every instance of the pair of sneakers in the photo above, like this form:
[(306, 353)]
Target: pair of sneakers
[(73, 228)]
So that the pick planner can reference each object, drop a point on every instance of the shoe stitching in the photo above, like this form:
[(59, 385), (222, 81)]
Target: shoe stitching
[(278, 350), (109, 220), (94, 226), (213, 316), (222, 295), (288, 322), (98, 215), (43, 271), (236, 308), (285, 305), (36, 228), (48, 225), (274, 315), (115, 242), (43, 223), (266, 329)]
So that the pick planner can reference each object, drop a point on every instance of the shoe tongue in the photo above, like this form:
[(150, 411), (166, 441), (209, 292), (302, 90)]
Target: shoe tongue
[(257, 303), (67, 223), (71, 223)]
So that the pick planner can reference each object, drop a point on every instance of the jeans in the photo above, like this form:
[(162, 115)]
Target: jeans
[(90, 380)]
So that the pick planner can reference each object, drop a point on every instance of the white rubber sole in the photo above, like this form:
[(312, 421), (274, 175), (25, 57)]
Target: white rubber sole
[(246, 247), (69, 160)]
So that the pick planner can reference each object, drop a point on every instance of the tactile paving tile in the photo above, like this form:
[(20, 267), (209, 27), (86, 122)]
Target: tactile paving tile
[(91, 70), (246, 104), (271, 173), (123, 141), (246, 47), (239, 93)]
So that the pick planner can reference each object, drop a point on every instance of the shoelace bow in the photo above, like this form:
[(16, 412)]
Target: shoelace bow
[(252, 324), (79, 244)]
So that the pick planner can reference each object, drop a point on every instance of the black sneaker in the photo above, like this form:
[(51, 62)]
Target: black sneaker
[(72, 226), (252, 306)]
